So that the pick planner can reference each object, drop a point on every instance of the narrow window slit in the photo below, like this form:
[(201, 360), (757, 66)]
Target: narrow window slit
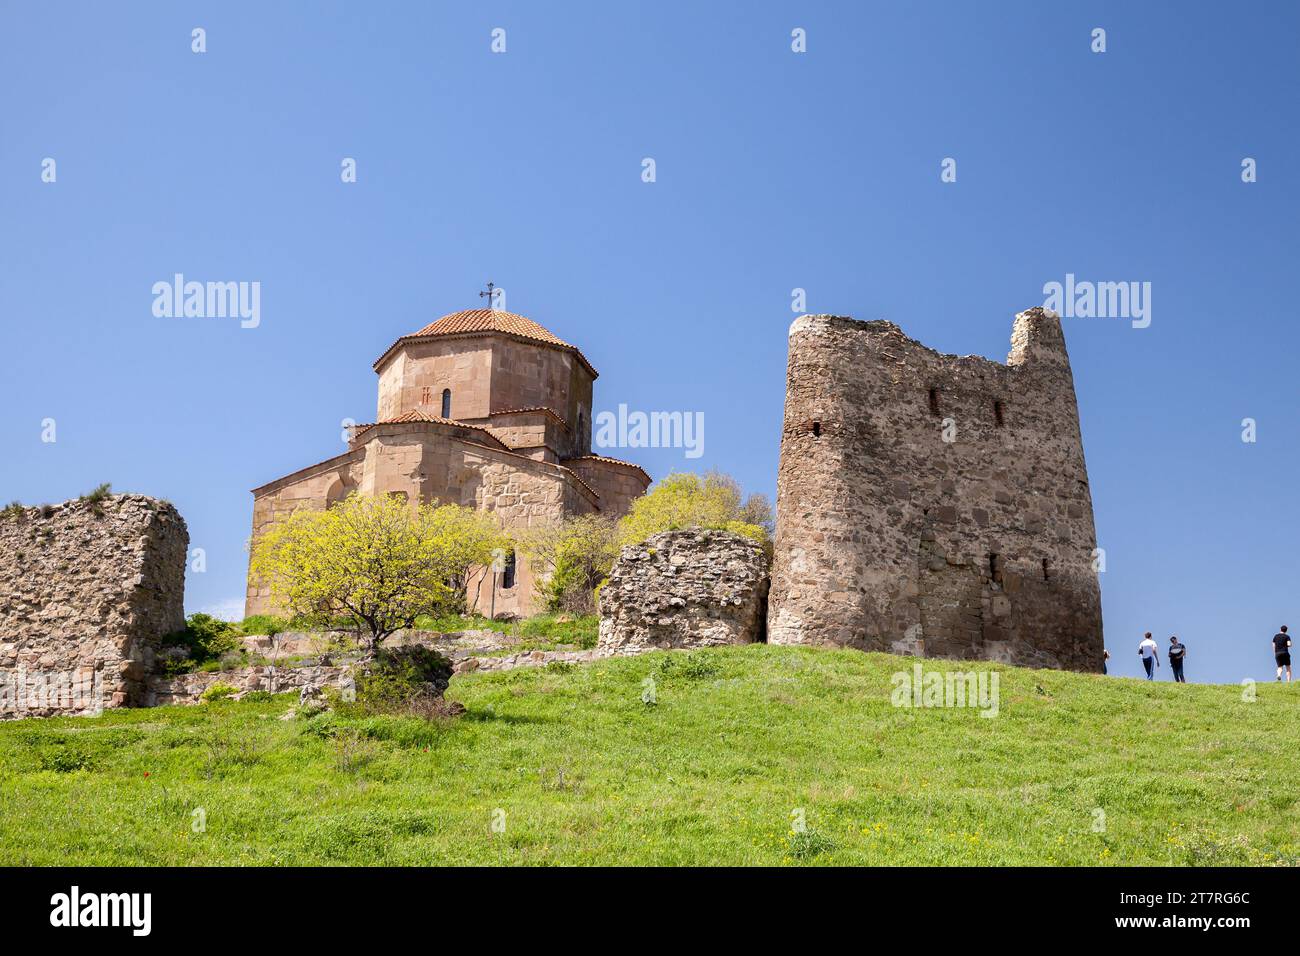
[(934, 401), (999, 413)]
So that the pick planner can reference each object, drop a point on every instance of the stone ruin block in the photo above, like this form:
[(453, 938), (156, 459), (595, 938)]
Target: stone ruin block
[(87, 590), (934, 504), (682, 589)]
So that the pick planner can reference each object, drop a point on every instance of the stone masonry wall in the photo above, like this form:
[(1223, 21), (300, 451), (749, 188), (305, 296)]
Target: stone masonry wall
[(618, 484), (189, 688), (932, 504), (693, 588), (86, 591)]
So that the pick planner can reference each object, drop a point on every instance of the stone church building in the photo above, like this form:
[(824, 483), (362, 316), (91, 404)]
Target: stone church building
[(482, 408)]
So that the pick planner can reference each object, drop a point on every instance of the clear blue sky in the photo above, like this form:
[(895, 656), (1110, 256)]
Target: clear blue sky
[(774, 171)]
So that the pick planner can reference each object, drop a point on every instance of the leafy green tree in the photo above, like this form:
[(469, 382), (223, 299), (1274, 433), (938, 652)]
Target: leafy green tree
[(570, 560), (687, 500), (379, 560)]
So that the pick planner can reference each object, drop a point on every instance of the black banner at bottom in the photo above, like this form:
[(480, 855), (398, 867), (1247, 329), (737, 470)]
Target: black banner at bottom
[(339, 906)]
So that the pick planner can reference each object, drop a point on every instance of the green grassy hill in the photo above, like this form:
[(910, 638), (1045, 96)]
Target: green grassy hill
[(738, 741)]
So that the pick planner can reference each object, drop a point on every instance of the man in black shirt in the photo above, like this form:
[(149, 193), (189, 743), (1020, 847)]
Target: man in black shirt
[(1177, 651), (1282, 652)]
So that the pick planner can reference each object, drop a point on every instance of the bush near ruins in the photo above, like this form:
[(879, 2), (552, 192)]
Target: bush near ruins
[(218, 692), (572, 559), (205, 639), (686, 500), (96, 497), (378, 560), (403, 680)]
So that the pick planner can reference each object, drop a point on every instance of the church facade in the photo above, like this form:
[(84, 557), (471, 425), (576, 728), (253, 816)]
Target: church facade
[(482, 408)]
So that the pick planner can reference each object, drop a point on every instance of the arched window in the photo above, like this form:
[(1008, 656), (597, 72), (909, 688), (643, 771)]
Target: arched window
[(508, 575), (582, 422), (446, 403)]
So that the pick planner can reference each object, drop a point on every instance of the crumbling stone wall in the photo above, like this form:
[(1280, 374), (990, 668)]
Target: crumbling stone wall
[(933, 504), (189, 688), (692, 588), (87, 589)]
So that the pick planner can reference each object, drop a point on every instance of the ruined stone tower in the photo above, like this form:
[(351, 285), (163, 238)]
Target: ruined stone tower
[(933, 504)]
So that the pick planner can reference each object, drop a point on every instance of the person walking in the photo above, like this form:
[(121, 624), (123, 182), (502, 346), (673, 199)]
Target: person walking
[(1150, 654), (1177, 653), (1282, 653)]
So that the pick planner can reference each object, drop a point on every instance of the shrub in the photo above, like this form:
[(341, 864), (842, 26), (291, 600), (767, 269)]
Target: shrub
[(685, 500), (218, 691), (572, 559), (264, 624), (322, 725), (399, 679), (806, 844), (689, 666), (203, 645), (67, 758), (96, 498), (258, 696)]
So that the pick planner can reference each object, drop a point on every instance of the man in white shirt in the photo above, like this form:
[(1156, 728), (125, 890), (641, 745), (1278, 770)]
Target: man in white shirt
[(1150, 654)]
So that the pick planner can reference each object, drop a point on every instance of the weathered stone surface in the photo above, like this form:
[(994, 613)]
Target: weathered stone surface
[(693, 588), (87, 589), (525, 659), (934, 504), (189, 688)]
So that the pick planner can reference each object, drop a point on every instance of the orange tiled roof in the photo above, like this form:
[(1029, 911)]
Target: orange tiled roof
[(415, 415), (486, 321), (491, 320)]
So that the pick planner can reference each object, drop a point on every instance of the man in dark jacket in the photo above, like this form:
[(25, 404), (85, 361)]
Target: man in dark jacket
[(1282, 653), (1177, 652)]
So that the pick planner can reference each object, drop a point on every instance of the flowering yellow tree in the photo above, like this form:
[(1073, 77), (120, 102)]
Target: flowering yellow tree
[(379, 560)]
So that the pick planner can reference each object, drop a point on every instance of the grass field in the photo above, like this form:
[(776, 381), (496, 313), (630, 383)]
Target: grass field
[(1074, 770)]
